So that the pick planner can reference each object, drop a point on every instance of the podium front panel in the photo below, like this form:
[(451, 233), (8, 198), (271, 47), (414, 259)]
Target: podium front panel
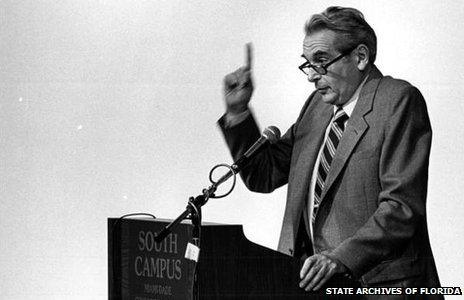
[(139, 268)]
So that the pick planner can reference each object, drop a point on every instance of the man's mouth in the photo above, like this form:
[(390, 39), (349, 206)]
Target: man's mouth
[(323, 89)]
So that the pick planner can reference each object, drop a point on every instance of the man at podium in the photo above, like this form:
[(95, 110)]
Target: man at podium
[(355, 160)]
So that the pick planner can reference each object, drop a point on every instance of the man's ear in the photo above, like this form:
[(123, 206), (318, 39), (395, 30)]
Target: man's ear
[(362, 57)]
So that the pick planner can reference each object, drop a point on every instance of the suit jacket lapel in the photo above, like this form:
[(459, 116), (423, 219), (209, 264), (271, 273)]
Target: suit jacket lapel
[(354, 130), (313, 128), (313, 138)]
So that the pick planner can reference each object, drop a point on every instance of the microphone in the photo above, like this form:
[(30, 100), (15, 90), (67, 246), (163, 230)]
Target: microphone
[(270, 135)]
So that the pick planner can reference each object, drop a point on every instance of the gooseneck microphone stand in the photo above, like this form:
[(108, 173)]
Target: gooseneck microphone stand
[(193, 209), (270, 135)]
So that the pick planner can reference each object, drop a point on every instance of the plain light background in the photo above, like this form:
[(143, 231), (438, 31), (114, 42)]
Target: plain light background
[(109, 107)]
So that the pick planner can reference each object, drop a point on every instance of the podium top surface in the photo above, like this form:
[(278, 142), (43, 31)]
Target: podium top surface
[(163, 220)]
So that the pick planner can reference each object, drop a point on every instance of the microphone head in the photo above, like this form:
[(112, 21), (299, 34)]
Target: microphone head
[(272, 134)]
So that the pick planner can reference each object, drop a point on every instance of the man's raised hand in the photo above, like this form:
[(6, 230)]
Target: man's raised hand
[(238, 85)]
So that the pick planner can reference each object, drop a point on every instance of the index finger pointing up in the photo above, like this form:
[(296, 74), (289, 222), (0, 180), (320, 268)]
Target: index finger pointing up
[(248, 56)]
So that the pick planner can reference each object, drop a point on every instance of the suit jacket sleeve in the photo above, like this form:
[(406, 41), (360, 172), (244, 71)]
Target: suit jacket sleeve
[(269, 169), (403, 172)]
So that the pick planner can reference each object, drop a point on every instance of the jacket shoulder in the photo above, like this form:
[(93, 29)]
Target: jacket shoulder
[(393, 92), (395, 86)]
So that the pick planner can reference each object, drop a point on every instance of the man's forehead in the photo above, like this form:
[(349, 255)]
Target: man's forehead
[(319, 42)]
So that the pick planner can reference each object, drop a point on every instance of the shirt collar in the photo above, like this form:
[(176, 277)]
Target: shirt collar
[(348, 107)]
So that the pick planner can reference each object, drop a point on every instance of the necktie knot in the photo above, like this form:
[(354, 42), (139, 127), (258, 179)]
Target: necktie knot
[(340, 116)]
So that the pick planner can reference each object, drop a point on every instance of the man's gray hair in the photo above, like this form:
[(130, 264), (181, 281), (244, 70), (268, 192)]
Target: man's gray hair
[(350, 26)]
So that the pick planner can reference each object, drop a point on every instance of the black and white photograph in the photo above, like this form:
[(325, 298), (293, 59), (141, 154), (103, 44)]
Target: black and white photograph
[(155, 149)]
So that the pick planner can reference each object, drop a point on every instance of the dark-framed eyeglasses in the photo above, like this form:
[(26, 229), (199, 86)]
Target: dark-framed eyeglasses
[(322, 68)]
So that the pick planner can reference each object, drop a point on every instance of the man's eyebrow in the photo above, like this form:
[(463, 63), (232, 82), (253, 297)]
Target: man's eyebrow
[(316, 54), (320, 53)]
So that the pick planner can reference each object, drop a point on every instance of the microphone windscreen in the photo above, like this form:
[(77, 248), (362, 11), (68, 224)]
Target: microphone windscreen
[(272, 134)]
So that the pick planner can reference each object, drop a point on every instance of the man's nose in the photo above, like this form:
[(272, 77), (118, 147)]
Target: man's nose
[(313, 76)]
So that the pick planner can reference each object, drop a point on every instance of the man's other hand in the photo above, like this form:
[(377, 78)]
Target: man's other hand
[(317, 269)]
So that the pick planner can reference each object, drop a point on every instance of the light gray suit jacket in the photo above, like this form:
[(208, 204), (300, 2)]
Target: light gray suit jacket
[(372, 215)]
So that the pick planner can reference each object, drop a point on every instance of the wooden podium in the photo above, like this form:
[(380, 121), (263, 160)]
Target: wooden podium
[(229, 266)]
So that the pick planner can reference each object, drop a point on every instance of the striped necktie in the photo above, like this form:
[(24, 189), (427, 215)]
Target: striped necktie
[(335, 133)]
